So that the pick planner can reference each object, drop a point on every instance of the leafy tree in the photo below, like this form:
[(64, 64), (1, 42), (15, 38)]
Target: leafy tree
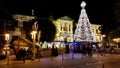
[(7, 23), (47, 28), (115, 33)]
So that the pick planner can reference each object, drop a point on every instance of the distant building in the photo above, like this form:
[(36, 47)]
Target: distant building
[(21, 18), (64, 26), (19, 33), (97, 32)]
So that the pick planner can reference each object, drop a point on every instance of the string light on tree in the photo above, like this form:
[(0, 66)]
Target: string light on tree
[(83, 32)]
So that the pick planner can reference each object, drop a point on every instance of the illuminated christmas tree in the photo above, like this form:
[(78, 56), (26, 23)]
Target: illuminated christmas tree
[(84, 32)]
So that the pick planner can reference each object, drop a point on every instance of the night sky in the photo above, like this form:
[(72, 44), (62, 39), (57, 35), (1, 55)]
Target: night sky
[(98, 11)]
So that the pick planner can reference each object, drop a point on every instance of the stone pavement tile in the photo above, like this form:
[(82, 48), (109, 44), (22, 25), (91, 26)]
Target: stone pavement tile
[(77, 58)]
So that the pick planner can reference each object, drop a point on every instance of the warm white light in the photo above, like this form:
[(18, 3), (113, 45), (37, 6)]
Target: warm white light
[(103, 35), (83, 4), (116, 39), (6, 37), (34, 34)]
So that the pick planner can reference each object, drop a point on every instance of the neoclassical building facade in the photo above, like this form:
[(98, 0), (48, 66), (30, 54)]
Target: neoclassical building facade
[(64, 26)]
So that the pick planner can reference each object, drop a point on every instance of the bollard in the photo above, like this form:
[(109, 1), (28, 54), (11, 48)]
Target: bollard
[(38, 59), (72, 56), (81, 56), (51, 58), (23, 60), (62, 57), (8, 60), (97, 55), (103, 65)]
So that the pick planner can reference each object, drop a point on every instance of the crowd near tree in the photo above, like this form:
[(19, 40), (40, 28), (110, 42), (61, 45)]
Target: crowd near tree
[(25, 54), (54, 51)]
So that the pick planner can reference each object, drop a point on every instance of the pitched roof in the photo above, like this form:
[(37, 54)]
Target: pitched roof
[(66, 18)]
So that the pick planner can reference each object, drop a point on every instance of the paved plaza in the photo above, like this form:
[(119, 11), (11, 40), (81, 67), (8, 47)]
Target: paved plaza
[(66, 61)]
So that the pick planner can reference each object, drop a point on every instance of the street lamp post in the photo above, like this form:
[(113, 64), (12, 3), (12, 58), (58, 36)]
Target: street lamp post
[(66, 35), (7, 47), (34, 32), (39, 46), (61, 47), (39, 35), (64, 39), (34, 42), (103, 44)]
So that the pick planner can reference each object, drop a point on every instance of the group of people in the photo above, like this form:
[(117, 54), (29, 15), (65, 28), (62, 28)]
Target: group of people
[(90, 49), (25, 53), (87, 49)]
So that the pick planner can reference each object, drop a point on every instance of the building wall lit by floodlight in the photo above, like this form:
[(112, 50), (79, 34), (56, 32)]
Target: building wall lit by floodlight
[(64, 26)]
